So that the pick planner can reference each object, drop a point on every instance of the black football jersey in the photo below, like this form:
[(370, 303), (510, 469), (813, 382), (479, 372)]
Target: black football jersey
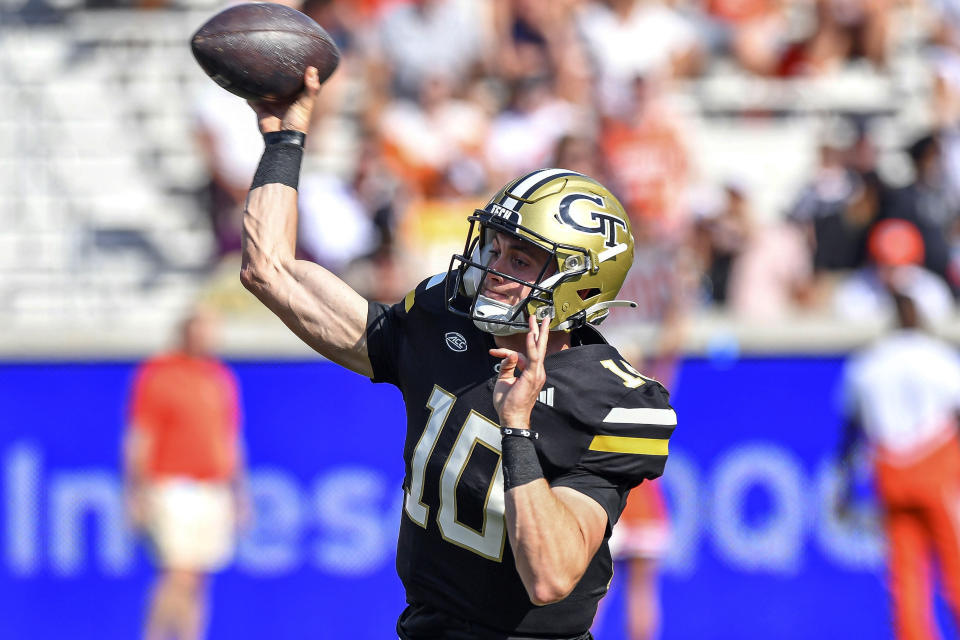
[(603, 429)]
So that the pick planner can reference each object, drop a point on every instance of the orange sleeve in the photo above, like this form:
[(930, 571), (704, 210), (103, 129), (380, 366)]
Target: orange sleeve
[(233, 397), (145, 410)]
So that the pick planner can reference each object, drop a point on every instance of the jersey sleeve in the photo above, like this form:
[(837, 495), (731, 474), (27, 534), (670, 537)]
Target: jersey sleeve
[(630, 433), (386, 328)]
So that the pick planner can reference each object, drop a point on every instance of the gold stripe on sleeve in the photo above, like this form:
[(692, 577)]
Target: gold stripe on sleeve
[(620, 444)]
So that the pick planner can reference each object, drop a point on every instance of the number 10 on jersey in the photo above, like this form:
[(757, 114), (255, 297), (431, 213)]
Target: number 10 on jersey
[(476, 431)]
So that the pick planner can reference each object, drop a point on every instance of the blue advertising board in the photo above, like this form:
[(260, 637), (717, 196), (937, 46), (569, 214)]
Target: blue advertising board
[(756, 550)]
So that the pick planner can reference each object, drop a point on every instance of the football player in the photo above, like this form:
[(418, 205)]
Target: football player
[(525, 429)]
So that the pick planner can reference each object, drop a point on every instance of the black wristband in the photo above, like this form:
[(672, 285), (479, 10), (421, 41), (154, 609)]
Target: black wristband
[(285, 136), (280, 162), (519, 433), (520, 462)]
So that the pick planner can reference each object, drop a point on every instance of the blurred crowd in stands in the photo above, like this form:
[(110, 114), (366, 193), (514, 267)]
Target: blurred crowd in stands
[(438, 102)]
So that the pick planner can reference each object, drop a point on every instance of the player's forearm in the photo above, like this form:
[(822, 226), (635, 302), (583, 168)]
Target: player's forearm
[(269, 232), (548, 543)]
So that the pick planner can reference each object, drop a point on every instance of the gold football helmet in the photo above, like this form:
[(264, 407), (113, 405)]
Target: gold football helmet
[(573, 218)]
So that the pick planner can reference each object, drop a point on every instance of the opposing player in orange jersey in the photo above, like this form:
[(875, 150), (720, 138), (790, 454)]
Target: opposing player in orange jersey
[(903, 396)]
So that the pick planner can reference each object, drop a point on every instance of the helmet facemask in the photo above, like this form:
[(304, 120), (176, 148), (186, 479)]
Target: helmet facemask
[(495, 316)]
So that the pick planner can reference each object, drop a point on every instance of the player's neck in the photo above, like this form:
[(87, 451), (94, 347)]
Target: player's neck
[(559, 340)]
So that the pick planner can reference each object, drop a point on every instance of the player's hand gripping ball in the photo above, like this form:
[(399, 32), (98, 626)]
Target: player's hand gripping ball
[(259, 51)]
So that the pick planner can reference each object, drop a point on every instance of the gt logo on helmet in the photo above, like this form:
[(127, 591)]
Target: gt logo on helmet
[(606, 223)]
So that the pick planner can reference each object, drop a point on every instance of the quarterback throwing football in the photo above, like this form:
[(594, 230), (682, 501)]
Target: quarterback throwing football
[(525, 429)]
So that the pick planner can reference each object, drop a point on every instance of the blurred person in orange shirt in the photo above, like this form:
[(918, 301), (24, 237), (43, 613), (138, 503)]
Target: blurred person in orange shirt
[(902, 397), (640, 539), (184, 474), (648, 159)]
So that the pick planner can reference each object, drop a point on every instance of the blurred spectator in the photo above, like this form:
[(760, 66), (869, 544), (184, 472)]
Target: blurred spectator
[(896, 252), (421, 39), (630, 38), (523, 29), (944, 58), (838, 206), (342, 20), (523, 136), (364, 250), (333, 241), (928, 203), (903, 398), (184, 471), (720, 237), (648, 160), (753, 32), (230, 149), (436, 138), (388, 273), (579, 152), (761, 271), (664, 281), (844, 30), (540, 38), (772, 277)]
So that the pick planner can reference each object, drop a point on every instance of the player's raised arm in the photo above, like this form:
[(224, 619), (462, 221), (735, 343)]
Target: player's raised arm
[(317, 306)]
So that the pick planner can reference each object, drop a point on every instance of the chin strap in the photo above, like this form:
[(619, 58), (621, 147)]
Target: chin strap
[(575, 321), (488, 308)]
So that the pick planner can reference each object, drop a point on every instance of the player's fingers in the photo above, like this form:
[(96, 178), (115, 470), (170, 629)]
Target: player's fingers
[(544, 337), (311, 78), (533, 352), (522, 361), (537, 340), (509, 361)]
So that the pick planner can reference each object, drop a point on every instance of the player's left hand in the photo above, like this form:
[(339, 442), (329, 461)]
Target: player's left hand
[(521, 378)]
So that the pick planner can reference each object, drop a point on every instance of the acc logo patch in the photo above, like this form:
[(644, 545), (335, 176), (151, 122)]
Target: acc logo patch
[(455, 341)]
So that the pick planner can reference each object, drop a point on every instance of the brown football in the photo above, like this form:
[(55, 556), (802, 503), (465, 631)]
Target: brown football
[(259, 50)]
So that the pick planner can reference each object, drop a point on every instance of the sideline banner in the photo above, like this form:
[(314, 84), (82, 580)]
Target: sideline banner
[(756, 553)]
